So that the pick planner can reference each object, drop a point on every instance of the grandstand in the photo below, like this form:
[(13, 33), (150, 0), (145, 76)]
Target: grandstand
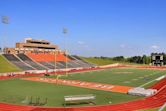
[(42, 55)]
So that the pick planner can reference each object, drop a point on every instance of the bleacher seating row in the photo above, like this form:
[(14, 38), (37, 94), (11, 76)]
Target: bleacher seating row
[(41, 57), (40, 61), (13, 59), (29, 61)]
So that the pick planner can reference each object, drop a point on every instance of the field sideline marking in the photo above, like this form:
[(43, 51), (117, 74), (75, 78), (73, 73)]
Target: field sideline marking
[(150, 81), (72, 73)]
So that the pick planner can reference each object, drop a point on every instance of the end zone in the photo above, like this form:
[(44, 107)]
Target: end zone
[(83, 84)]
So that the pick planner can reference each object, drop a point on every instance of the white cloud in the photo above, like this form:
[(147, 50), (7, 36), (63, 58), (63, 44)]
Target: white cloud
[(122, 45), (81, 45), (155, 47), (81, 42)]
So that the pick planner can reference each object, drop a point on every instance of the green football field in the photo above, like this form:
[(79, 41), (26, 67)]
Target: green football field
[(119, 76), (16, 90)]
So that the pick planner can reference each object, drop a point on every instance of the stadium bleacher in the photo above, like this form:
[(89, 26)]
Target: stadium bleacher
[(58, 65), (83, 63), (41, 61), (30, 62), (42, 57), (47, 64), (13, 59)]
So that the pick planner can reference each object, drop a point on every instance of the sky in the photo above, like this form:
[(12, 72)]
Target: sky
[(95, 27)]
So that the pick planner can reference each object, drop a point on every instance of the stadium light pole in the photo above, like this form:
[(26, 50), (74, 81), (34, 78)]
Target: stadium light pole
[(5, 20), (65, 33), (55, 73)]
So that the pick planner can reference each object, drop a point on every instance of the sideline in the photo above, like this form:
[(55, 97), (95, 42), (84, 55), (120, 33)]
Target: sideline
[(156, 79)]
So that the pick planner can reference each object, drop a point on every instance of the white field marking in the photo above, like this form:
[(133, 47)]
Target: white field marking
[(123, 72), (126, 82), (98, 85), (104, 86), (147, 83), (162, 107), (141, 77), (110, 87), (159, 78), (72, 73), (150, 81)]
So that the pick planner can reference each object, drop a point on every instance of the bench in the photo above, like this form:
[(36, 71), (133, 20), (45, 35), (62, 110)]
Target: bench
[(79, 99)]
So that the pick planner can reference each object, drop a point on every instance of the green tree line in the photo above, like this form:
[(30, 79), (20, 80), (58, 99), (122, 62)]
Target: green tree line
[(134, 59)]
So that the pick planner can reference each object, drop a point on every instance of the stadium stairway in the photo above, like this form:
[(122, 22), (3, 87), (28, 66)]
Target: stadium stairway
[(29, 61), (24, 62), (13, 59)]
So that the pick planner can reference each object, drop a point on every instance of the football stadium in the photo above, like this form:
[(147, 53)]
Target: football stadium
[(37, 76), (82, 55)]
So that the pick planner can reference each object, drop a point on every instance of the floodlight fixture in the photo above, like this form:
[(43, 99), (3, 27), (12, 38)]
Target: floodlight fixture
[(5, 19)]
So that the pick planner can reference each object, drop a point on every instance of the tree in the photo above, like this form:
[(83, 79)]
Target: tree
[(119, 58), (144, 59)]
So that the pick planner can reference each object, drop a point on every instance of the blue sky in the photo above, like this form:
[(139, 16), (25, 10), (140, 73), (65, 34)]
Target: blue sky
[(95, 27)]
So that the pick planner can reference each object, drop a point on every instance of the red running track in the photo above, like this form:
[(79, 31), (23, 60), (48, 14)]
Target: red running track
[(159, 84)]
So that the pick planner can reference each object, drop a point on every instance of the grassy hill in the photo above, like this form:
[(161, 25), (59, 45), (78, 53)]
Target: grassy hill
[(6, 66), (106, 61), (101, 61)]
